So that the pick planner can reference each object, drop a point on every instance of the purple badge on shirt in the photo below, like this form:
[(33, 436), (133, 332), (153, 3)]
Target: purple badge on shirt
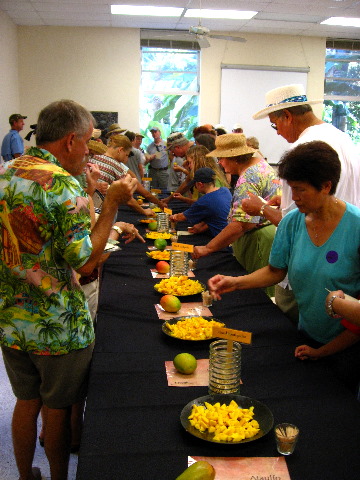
[(332, 256)]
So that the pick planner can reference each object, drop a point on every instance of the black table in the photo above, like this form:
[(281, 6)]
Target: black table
[(132, 424)]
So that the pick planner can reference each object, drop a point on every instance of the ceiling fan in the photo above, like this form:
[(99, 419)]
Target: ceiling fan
[(197, 33), (201, 33)]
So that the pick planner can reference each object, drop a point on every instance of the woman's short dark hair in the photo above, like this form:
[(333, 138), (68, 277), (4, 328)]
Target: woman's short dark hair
[(241, 158), (312, 162)]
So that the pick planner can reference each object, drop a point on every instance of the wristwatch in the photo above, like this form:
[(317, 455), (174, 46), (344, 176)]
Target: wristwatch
[(117, 229), (329, 307), (261, 211)]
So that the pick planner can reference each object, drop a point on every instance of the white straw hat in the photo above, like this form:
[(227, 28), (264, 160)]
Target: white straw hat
[(230, 145), (284, 97)]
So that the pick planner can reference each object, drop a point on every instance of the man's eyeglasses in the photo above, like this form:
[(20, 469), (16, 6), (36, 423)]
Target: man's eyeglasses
[(273, 125)]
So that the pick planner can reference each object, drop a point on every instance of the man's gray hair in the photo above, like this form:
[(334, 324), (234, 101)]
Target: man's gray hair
[(297, 110), (60, 118)]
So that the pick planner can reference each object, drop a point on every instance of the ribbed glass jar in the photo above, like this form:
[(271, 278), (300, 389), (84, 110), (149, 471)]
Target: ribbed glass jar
[(224, 368), (146, 184), (179, 263), (162, 222)]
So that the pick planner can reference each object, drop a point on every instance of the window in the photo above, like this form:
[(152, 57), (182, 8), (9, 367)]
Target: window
[(342, 87), (169, 90)]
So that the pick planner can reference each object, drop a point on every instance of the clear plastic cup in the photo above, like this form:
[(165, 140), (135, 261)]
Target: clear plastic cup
[(286, 436)]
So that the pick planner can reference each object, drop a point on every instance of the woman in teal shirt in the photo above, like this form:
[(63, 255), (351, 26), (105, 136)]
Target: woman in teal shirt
[(317, 245)]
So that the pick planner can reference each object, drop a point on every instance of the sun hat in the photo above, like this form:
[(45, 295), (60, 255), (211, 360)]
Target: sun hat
[(237, 126), (284, 97), (114, 128), (203, 175), (176, 139), (97, 147), (230, 145)]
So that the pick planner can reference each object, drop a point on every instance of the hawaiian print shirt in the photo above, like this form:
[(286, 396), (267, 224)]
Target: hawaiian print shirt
[(259, 179), (45, 237)]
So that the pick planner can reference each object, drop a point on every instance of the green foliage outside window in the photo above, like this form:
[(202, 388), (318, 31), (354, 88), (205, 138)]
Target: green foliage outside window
[(342, 91), (169, 91)]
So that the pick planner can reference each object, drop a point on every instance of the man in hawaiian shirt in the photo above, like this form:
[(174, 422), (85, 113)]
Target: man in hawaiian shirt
[(46, 332)]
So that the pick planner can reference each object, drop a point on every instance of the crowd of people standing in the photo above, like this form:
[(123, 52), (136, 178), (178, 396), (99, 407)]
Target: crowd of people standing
[(294, 229)]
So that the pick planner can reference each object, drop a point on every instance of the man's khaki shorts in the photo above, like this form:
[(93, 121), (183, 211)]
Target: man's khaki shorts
[(59, 380)]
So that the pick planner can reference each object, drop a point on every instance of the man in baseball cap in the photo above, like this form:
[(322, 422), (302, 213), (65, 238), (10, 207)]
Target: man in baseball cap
[(178, 144), (158, 159), (13, 145), (211, 210)]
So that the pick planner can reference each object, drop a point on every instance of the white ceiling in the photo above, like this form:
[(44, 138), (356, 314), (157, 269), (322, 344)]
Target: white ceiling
[(285, 17)]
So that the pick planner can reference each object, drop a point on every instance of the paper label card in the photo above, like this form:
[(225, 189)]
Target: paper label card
[(194, 309), (200, 378), (155, 190), (146, 179), (246, 468), (233, 335), (156, 274), (168, 211), (183, 247)]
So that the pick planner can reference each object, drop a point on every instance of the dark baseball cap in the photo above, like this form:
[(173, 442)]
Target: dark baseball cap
[(203, 175), (15, 117)]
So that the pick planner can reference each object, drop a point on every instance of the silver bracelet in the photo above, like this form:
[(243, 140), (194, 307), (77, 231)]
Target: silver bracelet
[(261, 211), (329, 307)]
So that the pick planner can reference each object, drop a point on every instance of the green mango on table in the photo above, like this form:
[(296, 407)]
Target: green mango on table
[(198, 471)]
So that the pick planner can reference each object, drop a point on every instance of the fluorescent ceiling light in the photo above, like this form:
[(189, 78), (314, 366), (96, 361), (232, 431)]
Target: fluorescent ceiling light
[(233, 14), (342, 21), (146, 10)]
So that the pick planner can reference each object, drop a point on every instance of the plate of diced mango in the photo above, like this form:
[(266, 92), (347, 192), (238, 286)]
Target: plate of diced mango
[(227, 419), (181, 286), (193, 328), (159, 255)]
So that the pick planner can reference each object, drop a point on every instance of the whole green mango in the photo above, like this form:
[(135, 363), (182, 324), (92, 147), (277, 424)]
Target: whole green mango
[(198, 471)]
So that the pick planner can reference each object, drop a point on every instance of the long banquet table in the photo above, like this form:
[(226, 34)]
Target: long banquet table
[(132, 426)]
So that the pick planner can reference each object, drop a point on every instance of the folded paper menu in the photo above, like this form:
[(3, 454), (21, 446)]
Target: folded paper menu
[(246, 468), (200, 378), (192, 309), (111, 246), (156, 274)]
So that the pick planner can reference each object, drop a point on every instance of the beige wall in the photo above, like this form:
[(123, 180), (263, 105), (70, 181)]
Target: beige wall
[(269, 50), (100, 67), (97, 67), (9, 86)]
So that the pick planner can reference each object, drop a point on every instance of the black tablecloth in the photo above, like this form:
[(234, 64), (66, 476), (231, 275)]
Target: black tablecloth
[(132, 423)]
